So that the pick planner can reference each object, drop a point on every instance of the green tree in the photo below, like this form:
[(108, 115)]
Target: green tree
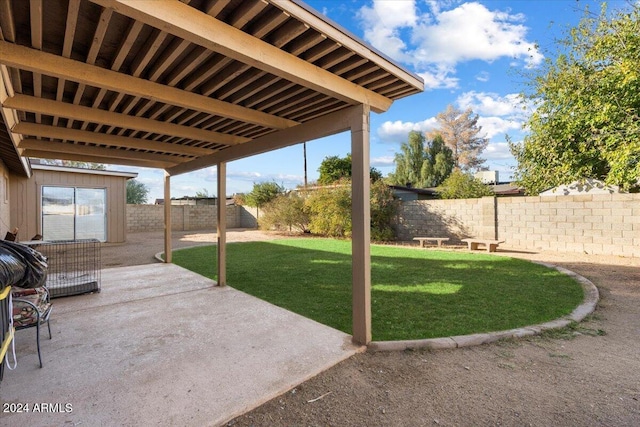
[(586, 123), (410, 161), (420, 163), (76, 164), (335, 168), (204, 193), (462, 185), (460, 132), (439, 163), (262, 193), (137, 192)]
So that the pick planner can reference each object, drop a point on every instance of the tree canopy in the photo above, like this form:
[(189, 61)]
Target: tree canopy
[(422, 163), (137, 192), (75, 164), (460, 132), (262, 193), (586, 123), (439, 163), (335, 168)]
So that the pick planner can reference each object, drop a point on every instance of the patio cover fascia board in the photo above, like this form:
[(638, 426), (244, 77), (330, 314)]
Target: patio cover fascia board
[(185, 22)]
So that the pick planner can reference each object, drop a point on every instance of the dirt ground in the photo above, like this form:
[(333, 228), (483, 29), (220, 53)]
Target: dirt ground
[(585, 376)]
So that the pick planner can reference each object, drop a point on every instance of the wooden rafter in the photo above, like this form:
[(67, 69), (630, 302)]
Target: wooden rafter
[(323, 26), (52, 65), (130, 161), (56, 148), (77, 112), (54, 132), (189, 24)]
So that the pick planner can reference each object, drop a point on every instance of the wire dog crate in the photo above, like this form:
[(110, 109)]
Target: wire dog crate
[(74, 266)]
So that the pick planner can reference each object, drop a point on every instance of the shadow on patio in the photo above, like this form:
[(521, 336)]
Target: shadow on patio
[(160, 346)]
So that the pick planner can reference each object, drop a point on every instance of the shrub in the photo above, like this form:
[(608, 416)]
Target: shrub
[(286, 212), (329, 210), (383, 209), (462, 185)]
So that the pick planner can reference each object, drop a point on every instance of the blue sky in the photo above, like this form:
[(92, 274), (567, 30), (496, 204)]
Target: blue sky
[(470, 54)]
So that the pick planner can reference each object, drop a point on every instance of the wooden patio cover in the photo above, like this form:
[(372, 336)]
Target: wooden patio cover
[(183, 85)]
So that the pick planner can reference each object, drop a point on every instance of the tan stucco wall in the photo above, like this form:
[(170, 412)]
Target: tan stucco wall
[(25, 194), (5, 214)]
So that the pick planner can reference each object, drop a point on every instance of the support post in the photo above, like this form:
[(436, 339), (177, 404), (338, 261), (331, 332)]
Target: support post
[(361, 226), (222, 223), (167, 217)]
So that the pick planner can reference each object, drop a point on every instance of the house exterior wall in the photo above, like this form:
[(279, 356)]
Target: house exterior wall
[(595, 224), (5, 214), (25, 200), (183, 217)]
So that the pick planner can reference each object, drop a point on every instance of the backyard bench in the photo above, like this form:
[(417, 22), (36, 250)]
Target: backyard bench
[(423, 240), (489, 244)]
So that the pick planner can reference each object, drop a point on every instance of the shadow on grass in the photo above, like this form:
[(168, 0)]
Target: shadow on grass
[(415, 294)]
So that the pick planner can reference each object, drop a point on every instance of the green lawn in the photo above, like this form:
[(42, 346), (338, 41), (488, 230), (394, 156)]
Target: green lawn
[(415, 293)]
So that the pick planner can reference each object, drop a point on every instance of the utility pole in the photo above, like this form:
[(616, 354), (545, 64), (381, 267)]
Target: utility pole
[(304, 152)]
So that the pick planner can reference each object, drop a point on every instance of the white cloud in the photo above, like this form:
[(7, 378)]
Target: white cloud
[(382, 162), (471, 31), (497, 114), (483, 76), (383, 22), (436, 40), (493, 126), (397, 131), (497, 151), (487, 103), (436, 77)]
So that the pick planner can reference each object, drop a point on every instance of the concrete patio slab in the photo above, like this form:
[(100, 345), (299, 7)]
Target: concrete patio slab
[(161, 346)]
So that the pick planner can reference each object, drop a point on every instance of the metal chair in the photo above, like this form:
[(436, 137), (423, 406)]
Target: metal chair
[(31, 308)]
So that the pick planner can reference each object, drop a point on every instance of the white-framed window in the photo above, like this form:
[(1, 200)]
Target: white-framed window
[(72, 213)]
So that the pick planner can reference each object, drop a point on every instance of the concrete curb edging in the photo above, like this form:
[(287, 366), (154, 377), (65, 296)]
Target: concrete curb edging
[(591, 297)]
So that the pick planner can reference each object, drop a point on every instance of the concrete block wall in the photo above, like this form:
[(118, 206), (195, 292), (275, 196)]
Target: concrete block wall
[(455, 219), (249, 216), (183, 218), (595, 224)]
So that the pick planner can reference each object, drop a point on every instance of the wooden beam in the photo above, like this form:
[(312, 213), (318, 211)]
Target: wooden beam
[(41, 62), (190, 24), (361, 227), (6, 22), (329, 124), (77, 112), (84, 158), (56, 148)]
